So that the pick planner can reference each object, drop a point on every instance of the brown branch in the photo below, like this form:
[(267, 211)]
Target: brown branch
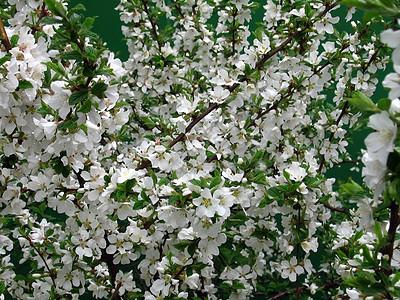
[(4, 38), (153, 24), (115, 295), (44, 260), (43, 13), (112, 268), (391, 237), (341, 210)]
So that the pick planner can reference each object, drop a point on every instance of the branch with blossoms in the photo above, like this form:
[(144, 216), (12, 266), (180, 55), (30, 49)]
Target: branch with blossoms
[(201, 166)]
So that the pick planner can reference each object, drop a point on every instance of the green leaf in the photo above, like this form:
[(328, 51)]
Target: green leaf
[(363, 103), (68, 124), (378, 231), (14, 40), (274, 192), (384, 104), (120, 194), (85, 107), (351, 187), (182, 245), (139, 204), (24, 84), (2, 287), (88, 23), (258, 33), (4, 59), (74, 54), (238, 286), (56, 8), (130, 184), (77, 97), (215, 181), (58, 68), (76, 8), (50, 20), (99, 88)]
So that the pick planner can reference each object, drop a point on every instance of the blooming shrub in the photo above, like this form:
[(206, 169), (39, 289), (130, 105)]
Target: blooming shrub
[(198, 168)]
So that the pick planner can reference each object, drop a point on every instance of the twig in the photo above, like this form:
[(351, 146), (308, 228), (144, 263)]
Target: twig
[(42, 257), (153, 24), (4, 38), (341, 210)]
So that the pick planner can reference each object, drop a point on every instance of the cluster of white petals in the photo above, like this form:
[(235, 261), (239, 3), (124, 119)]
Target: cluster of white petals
[(195, 169)]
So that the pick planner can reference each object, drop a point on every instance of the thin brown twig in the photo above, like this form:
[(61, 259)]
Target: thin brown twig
[(42, 257), (4, 38)]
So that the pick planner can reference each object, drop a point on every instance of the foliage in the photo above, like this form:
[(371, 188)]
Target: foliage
[(198, 168)]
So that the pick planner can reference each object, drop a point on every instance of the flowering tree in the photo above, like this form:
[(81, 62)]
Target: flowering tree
[(198, 168)]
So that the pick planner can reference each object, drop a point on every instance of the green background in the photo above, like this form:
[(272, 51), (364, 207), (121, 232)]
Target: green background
[(107, 24)]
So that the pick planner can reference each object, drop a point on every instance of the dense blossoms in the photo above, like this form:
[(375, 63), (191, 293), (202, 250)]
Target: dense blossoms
[(199, 168)]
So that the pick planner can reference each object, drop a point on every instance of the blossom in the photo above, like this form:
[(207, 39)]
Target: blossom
[(296, 172), (290, 269), (381, 142)]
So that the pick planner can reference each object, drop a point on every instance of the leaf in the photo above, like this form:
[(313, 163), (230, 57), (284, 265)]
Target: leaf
[(274, 192), (58, 68), (384, 104), (24, 84), (85, 106), (139, 204), (182, 245), (238, 286), (363, 103), (215, 181), (258, 33), (50, 20), (130, 184), (4, 59), (74, 54), (77, 97), (99, 88), (56, 8), (14, 40), (351, 187)]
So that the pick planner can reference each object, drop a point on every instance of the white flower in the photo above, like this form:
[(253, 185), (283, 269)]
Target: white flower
[(290, 269), (380, 143), (219, 94), (296, 172)]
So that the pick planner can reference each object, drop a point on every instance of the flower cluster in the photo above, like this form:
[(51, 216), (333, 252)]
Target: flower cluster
[(197, 168)]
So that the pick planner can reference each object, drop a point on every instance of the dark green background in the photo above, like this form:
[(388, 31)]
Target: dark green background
[(107, 24)]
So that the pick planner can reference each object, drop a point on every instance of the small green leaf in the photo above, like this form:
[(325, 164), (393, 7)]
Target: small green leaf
[(274, 192), (74, 54), (99, 88), (215, 181), (56, 8), (58, 68), (85, 107), (14, 40), (182, 245), (238, 286), (4, 59), (363, 103), (24, 84), (384, 104), (351, 187), (77, 97), (50, 20)]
